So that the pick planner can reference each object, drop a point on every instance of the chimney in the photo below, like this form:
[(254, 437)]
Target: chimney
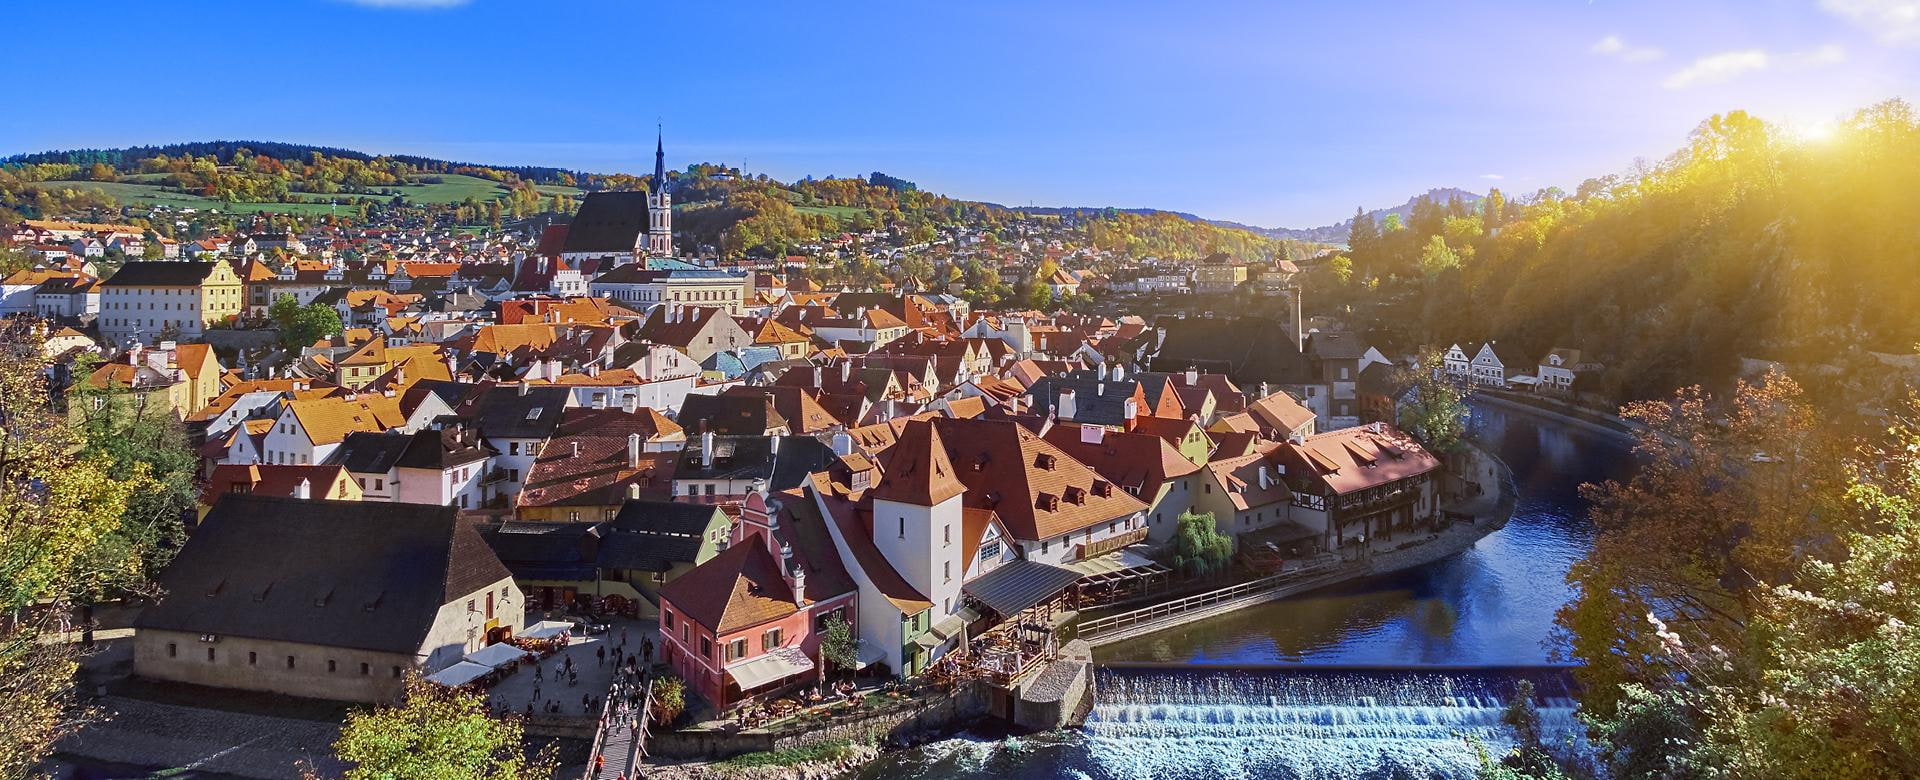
[(303, 490), (633, 450), (1264, 391), (799, 581), (706, 450), (1100, 389), (1092, 434), (633, 491), (1132, 411), (1193, 377), (846, 370), (523, 387), (1266, 478), (630, 403), (842, 444), (1064, 409), (576, 449)]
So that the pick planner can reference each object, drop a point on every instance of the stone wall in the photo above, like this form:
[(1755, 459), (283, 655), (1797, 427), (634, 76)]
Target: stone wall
[(933, 715), (318, 672)]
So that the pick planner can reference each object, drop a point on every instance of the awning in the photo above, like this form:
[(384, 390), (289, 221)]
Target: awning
[(1119, 560), (546, 629), (1020, 584), (927, 641), (497, 655), (772, 667), (949, 628), (868, 654), (459, 674)]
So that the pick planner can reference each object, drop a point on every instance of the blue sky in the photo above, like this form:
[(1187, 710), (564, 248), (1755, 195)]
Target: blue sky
[(1265, 113)]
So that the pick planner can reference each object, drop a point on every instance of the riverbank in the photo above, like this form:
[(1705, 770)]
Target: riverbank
[(1494, 498), (1610, 425)]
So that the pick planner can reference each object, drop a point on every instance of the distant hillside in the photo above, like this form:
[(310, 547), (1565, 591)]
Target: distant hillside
[(1337, 232), (130, 156)]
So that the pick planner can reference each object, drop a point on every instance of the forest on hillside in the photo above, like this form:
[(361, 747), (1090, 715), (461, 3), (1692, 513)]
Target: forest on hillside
[(1749, 242)]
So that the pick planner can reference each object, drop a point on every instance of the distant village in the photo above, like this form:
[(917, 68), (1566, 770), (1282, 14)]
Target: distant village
[(518, 436)]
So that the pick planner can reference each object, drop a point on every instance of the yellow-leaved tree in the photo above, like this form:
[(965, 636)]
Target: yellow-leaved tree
[(56, 506)]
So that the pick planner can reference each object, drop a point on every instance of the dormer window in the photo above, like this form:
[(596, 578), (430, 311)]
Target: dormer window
[(1043, 461)]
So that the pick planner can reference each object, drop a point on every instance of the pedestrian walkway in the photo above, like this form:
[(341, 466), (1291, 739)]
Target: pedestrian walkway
[(555, 688)]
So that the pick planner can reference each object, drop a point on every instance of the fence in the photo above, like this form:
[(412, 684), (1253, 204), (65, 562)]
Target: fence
[(1200, 605)]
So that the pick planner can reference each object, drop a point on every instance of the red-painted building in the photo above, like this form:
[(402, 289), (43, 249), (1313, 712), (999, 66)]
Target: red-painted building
[(746, 623)]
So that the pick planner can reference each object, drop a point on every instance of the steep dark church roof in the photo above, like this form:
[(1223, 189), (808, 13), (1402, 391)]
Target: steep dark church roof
[(609, 222)]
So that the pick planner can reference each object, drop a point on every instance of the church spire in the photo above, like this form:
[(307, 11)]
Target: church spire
[(660, 161)]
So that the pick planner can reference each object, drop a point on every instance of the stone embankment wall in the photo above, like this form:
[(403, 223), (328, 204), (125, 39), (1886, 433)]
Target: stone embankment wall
[(932, 715)]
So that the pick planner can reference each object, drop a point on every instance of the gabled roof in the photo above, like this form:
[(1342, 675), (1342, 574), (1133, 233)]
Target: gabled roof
[(918, 470), (509, 412), (329, 420), (732, 414), (652, 535), (370, 453), (739, 588), (369, 576)]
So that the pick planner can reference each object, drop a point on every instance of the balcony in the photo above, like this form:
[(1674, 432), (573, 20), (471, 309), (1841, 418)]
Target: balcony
[(1109, 544)]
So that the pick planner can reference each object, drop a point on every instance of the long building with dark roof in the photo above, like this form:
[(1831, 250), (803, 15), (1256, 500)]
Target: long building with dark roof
[(324, 599)]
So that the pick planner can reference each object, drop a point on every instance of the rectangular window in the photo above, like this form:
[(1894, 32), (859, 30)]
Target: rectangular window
[(946, 535), (769, 640), (253, 659), (667, 618), (209, 655), (289, 662), (736, 649), (946, 569), (396, 672), (331, 666), (706, 648), (366, 669)]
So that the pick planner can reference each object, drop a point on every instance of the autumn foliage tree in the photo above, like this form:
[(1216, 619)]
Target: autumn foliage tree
[(58, 504), (437, 732)]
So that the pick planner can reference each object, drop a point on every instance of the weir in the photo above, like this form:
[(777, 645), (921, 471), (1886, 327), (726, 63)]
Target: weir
[(1349, 722)]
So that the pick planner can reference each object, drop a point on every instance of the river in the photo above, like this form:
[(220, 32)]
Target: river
[(1490, 606)]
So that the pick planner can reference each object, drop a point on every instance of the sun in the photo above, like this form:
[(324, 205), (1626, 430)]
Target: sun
[(1813, 133)]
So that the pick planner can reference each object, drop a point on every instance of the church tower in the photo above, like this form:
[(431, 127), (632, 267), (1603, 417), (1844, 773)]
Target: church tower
[(659, 205)]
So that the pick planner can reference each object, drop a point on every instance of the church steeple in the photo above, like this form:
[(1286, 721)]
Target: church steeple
[(660, 161), (659, 204)]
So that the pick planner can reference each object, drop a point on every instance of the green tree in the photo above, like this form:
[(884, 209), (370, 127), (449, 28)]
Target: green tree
[(669, 699), (149, 455), (1437, 413), (1199, 549), (58, 503), (301, 326), (437, 733), (1437, 258), (838, 645)]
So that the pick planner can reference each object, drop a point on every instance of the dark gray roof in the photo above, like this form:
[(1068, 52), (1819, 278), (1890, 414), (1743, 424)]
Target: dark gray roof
[(370, 453), (1020, 584), (608, 222), (364, 575), (546, 551), (730, 414), (655, 535), (503, 412), (756, 457), (151, 273), (1249, 350), (1090, 404), (442, 449)]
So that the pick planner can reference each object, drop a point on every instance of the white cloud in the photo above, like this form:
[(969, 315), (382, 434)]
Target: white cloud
[(1613, 46), (1893, 21), (1492, 176), (1717, 68), (1830, 54), (408, 4)]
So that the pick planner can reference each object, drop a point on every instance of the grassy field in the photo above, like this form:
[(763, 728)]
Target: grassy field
[(451, 189)]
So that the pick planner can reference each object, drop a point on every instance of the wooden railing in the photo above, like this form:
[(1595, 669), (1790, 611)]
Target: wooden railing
[(1109, 544), (1094, 629)]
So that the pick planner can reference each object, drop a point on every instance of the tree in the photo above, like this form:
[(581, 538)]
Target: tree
[(437, 732), (301, 326), (669, 699), (1199, 549), (838, 645), (1436, 413), (1040, 296), (149, 456), (57, 505), (1361, 233), (1437, 258), (1722, 505)]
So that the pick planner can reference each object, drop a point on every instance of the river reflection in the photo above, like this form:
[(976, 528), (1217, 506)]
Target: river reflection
[(1492, 604)]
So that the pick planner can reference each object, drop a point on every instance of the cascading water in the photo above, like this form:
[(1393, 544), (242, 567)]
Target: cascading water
[(1307, 724)]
